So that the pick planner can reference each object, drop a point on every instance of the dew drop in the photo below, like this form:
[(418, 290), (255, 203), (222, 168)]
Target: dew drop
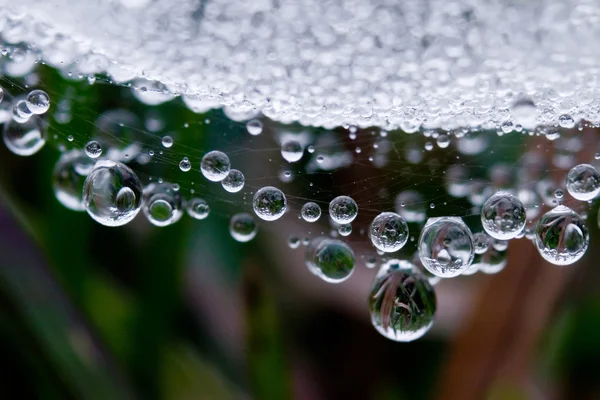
[(343, 209), (583, 182), (345, 229), (503, 216), (561, 236), (197, 208), (446, 246), (292, 151), (242, 227), (402, 302), (330, 259), (254, 127), (185, 165), (38, 101), (24, 139), (234, 181), (310, 212), (163, 205), (93, 149), (269, 203), (112, 193), (389, 232), (167, 141), (215, 166)]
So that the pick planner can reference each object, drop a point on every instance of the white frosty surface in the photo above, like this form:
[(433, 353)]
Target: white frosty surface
[(408, 63)]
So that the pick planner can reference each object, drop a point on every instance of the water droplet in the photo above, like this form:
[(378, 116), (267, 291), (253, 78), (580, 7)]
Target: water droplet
[(371, 262), (167, 141), (446, 246), (93, 149), (561, 236), (311, 149), (428, 146), (197, 208), (242, 227), (294, 242), (215, 166), (38, 101), (21, 112), (389, 232), (481, 242), (254, 127), (292, 151), (343, 209), (443, 141), (68, 177), (269, 203), (345, 229), (583, 182), (234, 181), (597, 156), (310, 212), (163, 205), (402, 302), (112, 193), (24, 139), (503, 216), (558, 193), (330, 259), (566, 121), (185, 165)]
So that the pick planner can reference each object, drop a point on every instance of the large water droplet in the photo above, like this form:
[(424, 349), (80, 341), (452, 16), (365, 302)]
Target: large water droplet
[(269, 203), (38, 101), (292, 151), (503, 216), (215, 166), (583, 182), (446, 246), (343, 209), (163, 204), (197, 208), (242, 227), (234, 181), (561, 236), (93, 149), (112, 193), (24, 139), (254, 127), (68, 177), (330, 259), (389, 232), (310, 212), (402, 302)]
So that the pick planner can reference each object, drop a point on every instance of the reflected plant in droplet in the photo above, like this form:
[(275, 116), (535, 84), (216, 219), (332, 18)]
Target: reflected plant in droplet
[(583, 182), (446, 246), (503, 216), (242, 227), (343, 209), (112, 193), (163, 204), (330, 259), (402, 303), (561, 236), (234, 181), (389, 232), (197, 208), (310, 212), (269, 203), (215, 166)]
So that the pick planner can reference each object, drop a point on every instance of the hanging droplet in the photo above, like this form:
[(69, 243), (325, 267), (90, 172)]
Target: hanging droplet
[(345, 229), (269, 203), (38, 101), (583, 182), (163, 204), (561, 236), (343, 209), (21, 113), (167, 141), (24, 139), (330, 259), (292, 151), (215, 166), (242, 227), (254, 127), (68, 178), (185, 165), (234, 181), (112, 193), (197, 208), (402, 302), (503, 216), (389, 232), (310, 212), (93, 149), (446, 246)]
